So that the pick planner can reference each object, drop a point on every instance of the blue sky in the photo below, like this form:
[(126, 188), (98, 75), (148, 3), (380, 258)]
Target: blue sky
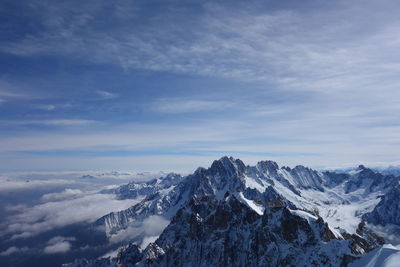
[(170, 85)]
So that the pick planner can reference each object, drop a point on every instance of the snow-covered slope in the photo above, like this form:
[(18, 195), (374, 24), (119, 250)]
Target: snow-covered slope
[(384, 256)]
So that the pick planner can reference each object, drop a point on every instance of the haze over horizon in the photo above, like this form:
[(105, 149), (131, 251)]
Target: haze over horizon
[(166, 85)]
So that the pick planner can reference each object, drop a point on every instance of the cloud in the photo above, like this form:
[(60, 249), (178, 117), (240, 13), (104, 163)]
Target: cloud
[(106, 95), (335, 136), (9, 94), (12, 185), (291, 48), (58, 244), (12, 250), (154, 225), (46, 107), (10, 91), (58, 122), (182, 105), (71, 207), (66, 194), (133, 136), (150, 228), (320, 78)]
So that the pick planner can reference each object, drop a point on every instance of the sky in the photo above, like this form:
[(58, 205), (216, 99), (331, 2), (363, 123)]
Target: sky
[(172, 85)]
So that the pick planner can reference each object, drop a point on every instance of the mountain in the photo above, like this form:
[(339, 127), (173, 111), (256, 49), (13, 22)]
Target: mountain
[(391, 170), (134, 190), (336, 197), (211, 232), (299, 216)]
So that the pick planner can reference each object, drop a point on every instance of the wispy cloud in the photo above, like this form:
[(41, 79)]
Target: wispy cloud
[(9, 91), (57, 122), (12, 250), (288, 139), (317, 80), (188, 105), (107, 95), (285, 47), (48, 107), (10, 94)]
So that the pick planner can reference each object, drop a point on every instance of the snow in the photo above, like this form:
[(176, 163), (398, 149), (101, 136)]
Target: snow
[(257, 208), (338, 209), (310, 218), (385, 256), (346, 211), (252, 183), (354, 172)]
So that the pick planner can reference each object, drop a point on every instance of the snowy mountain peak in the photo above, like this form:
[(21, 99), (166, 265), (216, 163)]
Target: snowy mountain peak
[(227, 166)]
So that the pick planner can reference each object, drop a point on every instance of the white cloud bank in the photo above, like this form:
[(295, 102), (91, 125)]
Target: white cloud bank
[(58, 244), (8, 185), (65, 208)]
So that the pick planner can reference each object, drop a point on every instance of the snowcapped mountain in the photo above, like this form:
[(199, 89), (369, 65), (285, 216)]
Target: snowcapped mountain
[(254, 215), (140, 189)]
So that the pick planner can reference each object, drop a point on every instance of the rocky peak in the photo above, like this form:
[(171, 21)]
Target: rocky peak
[(171, 179), (227, 167), (268, 167), (361, 167), (307, 178)]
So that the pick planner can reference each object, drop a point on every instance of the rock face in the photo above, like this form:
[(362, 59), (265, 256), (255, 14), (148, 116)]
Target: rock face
[(236, 215), (388, 209)]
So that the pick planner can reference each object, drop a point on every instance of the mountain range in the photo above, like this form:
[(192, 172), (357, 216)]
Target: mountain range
[(232, 214)]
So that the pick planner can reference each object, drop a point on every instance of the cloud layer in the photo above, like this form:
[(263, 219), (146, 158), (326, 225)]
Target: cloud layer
[(60, 209)]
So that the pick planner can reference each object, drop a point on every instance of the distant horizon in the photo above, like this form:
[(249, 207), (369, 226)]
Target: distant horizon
[(253, 162)]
